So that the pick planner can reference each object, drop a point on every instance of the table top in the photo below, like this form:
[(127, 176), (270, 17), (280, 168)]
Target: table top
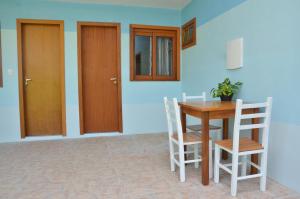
[(208, 105)]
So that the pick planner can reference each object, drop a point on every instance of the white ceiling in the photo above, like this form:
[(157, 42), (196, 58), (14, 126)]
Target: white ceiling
[(172, 4)]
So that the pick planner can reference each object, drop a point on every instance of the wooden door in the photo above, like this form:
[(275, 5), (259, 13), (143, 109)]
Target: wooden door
[(41, 74), (99, 77)]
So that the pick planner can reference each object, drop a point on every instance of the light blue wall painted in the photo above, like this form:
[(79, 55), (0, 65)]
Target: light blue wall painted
[(142, 101), (206, 10), (271, 68)]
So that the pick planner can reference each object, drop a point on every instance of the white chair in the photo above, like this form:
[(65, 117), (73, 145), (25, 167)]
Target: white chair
[(198, 127), (242, 147), (176, 137)]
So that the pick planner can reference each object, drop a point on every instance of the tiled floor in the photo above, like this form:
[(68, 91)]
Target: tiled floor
[(115, 167)]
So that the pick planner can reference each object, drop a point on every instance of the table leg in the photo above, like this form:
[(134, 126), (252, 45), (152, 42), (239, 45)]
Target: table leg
[(183, 124), (205, 148), (255, 136), (225, 136)]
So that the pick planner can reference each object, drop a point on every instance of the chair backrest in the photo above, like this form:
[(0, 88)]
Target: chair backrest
[(173, 118), (186, 98), (263, 117)]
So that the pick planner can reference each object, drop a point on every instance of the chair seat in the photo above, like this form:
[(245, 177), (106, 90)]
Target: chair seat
[(199, 127), (190, 138), (246, 144)]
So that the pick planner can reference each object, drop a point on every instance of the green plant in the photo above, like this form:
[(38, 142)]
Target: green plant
[(226, 88)]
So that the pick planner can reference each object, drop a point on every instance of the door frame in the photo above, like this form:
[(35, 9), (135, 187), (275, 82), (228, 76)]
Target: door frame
[(79, 54), (20, 22)]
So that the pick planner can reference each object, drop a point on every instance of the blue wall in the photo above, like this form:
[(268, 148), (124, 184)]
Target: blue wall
[(206, 10), (142, 101), (271, 66)]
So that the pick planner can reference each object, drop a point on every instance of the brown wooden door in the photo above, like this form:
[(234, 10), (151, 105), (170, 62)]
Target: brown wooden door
[(42, 78), (99, 77)]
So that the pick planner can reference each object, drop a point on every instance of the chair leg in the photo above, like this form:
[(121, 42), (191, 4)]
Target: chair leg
[(217, 162), (210, 160), (244, 165), (234, 175), (181, 163), (172, 156), (263, 178), (196, 155)]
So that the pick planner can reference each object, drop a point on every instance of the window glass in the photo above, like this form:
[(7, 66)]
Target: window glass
[(164, 56), (143, 55)]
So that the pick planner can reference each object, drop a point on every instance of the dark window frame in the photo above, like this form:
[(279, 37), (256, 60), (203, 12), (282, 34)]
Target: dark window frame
[(155, 31), (189, 26)]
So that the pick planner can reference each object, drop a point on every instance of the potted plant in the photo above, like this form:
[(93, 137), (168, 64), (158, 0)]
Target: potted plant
[(226, 90)]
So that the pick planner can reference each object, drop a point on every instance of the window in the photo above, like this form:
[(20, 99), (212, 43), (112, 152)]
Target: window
[(188, 31), (154, 53)]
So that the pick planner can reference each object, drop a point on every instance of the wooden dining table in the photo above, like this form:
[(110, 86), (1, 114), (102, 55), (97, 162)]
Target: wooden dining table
[(205, 111)]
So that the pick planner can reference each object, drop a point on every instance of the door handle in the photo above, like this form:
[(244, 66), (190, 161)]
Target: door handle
[(27, 81), (114, 79)]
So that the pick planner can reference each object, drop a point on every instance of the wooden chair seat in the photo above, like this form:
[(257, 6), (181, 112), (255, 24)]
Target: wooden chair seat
[(188, 138), (199, 127), (246, 144)]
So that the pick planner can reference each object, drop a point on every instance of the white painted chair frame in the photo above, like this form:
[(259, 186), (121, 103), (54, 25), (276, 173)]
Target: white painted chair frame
[(174, 125), (202, 97), (265, 125), (185, 97)]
